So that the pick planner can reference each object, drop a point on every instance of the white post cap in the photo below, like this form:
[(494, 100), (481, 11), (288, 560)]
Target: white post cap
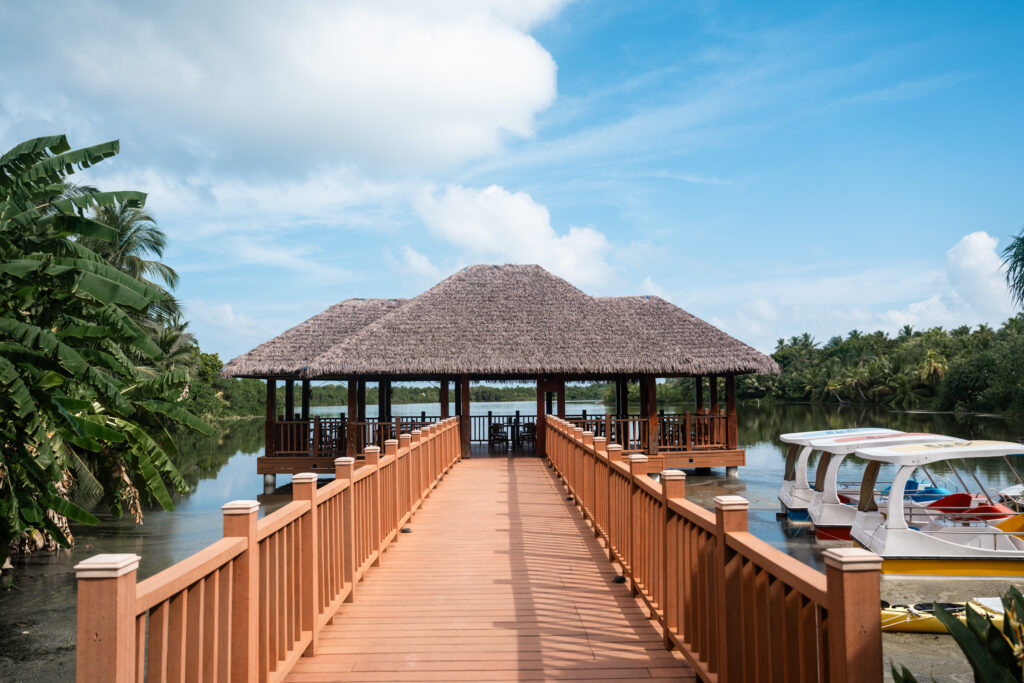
[(304, 478), (240, 507), (107, 566), (672, 475), (372, 449), (638, 457), (344, 460), (852, 559), (731, 503)]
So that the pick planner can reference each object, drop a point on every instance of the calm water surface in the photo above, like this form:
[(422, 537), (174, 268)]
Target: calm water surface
[(37, 611)]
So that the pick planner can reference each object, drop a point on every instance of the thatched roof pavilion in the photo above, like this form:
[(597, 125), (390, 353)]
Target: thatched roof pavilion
[(508, 322)]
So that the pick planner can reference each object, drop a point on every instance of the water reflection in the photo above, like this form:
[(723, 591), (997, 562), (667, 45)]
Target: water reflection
[(37, 617)]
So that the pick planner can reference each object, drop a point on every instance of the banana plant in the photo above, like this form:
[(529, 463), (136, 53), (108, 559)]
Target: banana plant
[(73, 402)]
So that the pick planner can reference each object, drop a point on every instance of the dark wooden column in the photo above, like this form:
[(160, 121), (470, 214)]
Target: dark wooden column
[(289, 399), (731, 438), (465, 424), (561, 398), (352, 433), (382, 403), (361, 413), (549, 404), (458, 398), (305, 399), (699, 386), (713, 384), (444, 399), (541, 421), (649, 388), (269, 428)]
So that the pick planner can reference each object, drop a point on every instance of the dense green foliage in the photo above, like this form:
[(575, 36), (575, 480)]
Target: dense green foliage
[(963, 369), (86, 401)]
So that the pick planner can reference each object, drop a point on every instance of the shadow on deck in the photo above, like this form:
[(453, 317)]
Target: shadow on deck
[(500, 579)]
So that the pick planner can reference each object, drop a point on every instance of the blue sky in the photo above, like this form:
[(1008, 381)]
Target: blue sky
[(772, 167)]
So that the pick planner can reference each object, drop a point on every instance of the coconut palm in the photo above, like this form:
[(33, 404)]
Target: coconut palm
[(1013, 260), (138, 239)]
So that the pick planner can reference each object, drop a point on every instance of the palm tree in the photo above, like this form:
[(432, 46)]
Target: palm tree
[(1013, 259), (138, 238)]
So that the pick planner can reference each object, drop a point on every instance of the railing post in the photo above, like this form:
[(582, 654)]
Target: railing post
[(673, 486), (240, 522), (416, 455), (730, 515), (404, 444), (687, 426), (106, 618), (344, 469), (600, 504), (373, 459), (304, 488), (637, 468), (854, 632)]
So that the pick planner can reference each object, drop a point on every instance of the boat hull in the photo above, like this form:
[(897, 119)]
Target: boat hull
[(915, 566), (832, 533)]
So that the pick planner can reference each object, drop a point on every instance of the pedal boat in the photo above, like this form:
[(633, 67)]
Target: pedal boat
[(795, 494), (833, 508), (921, 618), (961, 535)]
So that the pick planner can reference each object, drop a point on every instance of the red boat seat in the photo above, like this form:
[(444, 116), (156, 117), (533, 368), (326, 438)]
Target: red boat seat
[(954, 502)]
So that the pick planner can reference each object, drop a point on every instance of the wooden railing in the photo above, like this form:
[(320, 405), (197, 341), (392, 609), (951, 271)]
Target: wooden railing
[(248, 606), (737, 608), (682, 432)]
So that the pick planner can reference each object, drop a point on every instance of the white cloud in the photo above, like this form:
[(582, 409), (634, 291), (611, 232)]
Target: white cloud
[(975, 273), (419, 264), (220, 326), (495, 224), (649, 286), (384, 83)]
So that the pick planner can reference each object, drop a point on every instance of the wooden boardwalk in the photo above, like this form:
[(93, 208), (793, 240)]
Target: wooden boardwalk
[(499, 579)]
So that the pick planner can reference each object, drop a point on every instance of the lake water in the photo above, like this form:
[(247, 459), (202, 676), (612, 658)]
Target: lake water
[(37, 611)]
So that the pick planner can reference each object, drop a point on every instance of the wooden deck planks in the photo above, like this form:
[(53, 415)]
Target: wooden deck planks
[(499, 580)]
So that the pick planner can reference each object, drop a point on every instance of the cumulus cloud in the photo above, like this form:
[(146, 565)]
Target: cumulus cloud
[(495, 224), (419, 264), (386, 83)]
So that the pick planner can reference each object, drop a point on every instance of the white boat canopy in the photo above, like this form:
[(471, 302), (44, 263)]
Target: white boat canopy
[(805, 438), (915, 455)]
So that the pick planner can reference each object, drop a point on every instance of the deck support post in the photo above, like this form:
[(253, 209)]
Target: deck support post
[(731, 515), (458, 398), (465, 421), (289, 399), (444, 399), (673, 486), (304, 489), (715, 436), (305, 399), (560, 392), (344, 469), (270, 427), (372, 456), (240, 521), (351, 431), (542, 423), (360, 414), (106, 618), (649, 400), (699, 391), (855, 633), (731, 439)]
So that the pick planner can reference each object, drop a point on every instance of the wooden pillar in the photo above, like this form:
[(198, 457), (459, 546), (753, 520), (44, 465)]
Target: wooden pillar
[(269, 428), (458, 398), (361, 414), (855, 632), (650, 388), (699, 386), (289, 399), (731, 438), (351, 428), (713, 386), (444, 399), (240, 522), (106, 619), (304, 489), (387, 399), (382, 402), (561, 398), (541, 421), (730, 517), (465, 419), (305, 399), (549, 404)]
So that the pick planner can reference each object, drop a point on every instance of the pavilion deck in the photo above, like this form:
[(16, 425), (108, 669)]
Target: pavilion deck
[(498, 580)]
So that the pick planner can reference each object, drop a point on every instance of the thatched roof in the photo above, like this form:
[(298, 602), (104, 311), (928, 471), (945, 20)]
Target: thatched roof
[(504, 322), (288, 354)]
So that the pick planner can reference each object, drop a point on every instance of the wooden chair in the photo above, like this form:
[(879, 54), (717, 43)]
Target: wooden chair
[(528, 433), (497, 436)]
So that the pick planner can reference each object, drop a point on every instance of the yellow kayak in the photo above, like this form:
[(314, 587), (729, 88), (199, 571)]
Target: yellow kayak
[(921, 619)]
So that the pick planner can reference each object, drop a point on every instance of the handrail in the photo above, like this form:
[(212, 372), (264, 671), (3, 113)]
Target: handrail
[(737, 608), (250, 605)]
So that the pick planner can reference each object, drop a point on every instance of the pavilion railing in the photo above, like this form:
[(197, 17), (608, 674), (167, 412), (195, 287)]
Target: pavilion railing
[(250, 605), (682, 432), (737, 608)]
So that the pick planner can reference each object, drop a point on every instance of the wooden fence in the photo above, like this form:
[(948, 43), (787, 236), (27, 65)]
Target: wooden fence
[(737, 608), (248, 606), (682, 432)]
